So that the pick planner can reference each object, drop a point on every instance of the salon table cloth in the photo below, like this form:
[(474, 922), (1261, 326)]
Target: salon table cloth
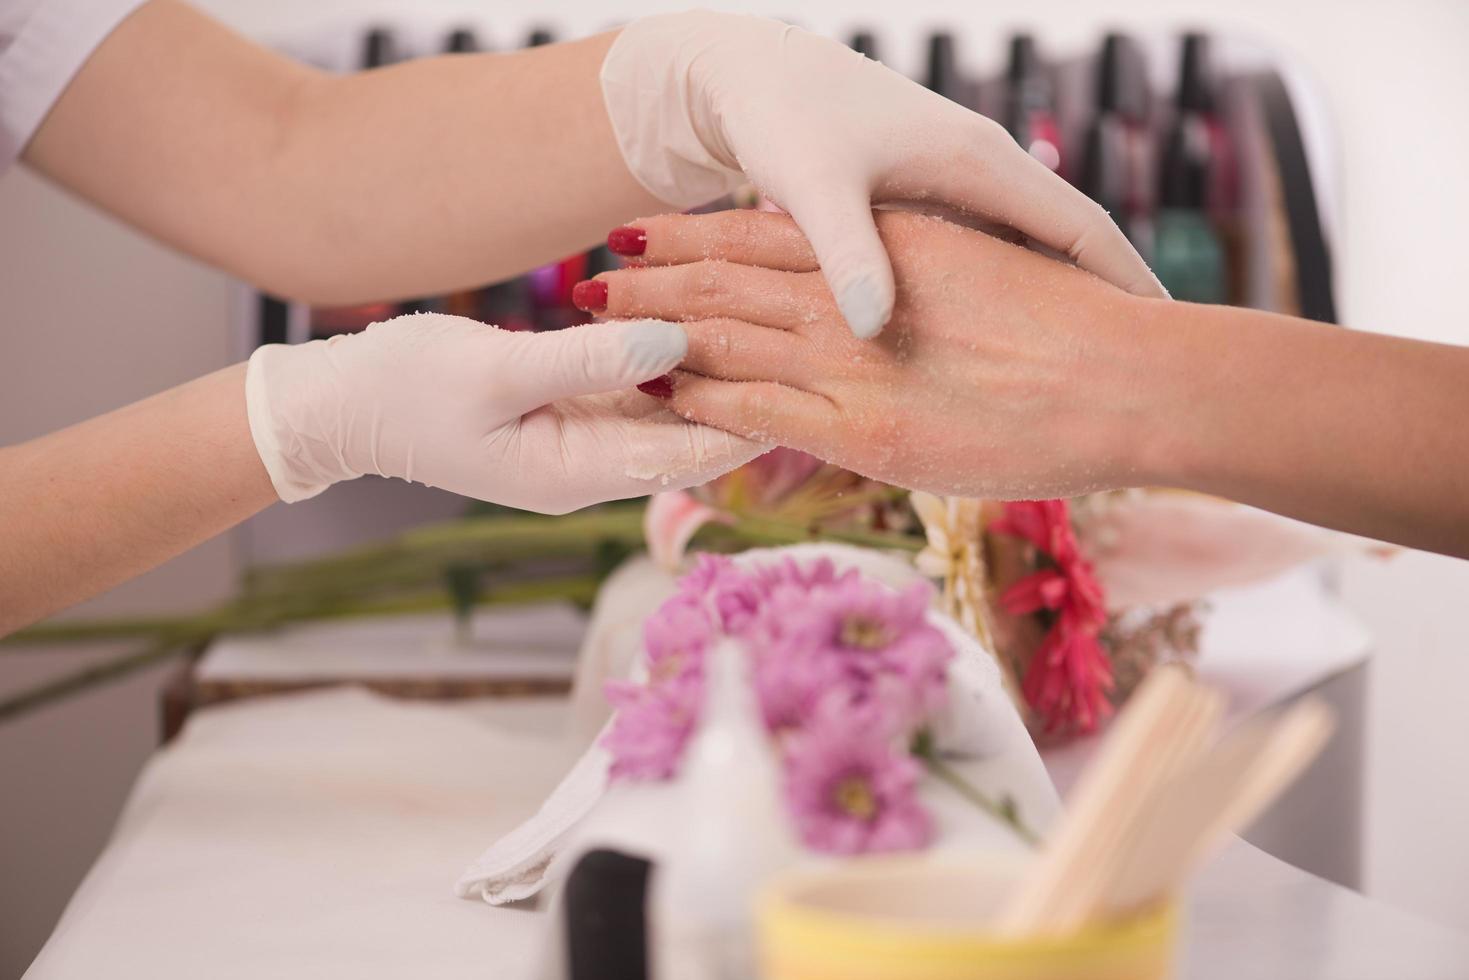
[(319, 834)]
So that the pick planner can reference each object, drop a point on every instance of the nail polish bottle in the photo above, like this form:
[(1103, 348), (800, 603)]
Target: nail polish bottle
[(943, 75), (1199, 94), (379, 48), (507, 305), (1116, 151), (865, 43), (1188, 255), (1030, 111), (462, 40)]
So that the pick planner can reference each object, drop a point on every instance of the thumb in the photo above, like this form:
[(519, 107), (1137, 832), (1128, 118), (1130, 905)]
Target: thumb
[(838, 223), (593, 358)]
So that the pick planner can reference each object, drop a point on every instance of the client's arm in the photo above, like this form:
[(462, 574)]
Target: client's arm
[(1006, 374)]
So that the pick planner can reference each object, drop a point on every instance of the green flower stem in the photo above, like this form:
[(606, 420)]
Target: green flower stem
[(86, 678), (85, 631), (1003, 810), (241, 616), (188, 633), (550, 559), (758, 532), (427, 550)]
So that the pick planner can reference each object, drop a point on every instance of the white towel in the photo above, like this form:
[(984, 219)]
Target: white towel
[(980, 725)]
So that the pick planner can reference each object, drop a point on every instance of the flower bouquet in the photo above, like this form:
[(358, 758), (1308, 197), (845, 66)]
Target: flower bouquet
[(1077, 599), (886, 723), (851, 679)]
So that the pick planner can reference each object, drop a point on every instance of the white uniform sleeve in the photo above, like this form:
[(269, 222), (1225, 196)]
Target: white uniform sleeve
[(42, 45)]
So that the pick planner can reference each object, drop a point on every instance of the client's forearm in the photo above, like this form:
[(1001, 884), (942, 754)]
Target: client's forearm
[(1352, 430), (97, 503), (433, 175)]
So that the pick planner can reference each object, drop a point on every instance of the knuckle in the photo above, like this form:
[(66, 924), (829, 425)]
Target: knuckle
[(704, 286), (887, 434), (712, 338), (741, 234), (723, 341), (752, 410)]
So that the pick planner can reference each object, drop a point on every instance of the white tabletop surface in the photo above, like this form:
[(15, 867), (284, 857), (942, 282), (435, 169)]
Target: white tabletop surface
[(318, 835)]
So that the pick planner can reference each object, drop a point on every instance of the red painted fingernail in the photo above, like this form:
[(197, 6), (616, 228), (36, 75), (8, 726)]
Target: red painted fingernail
[(659, 387), (627, 240), (590, 295)]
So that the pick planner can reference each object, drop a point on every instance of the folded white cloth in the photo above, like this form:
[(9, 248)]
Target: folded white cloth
[(980, 726), (613, 639), (515, 866)]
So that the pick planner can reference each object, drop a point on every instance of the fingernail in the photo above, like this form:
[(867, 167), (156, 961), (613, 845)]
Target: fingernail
[(627, 240), (590, 295), (659, 387)]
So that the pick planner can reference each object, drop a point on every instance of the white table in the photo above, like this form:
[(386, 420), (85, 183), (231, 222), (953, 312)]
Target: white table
[(319, 835)]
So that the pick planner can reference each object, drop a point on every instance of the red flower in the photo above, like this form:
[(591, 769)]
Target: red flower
[(1068, 678)]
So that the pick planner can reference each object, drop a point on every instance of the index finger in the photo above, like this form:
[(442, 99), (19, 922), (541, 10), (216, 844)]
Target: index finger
[(743, 237)]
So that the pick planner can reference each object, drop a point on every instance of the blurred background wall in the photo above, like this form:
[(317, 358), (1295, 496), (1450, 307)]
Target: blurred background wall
[(92, 316)]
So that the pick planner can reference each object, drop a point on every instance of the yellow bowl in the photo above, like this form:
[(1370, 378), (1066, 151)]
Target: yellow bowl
[(924, 918)]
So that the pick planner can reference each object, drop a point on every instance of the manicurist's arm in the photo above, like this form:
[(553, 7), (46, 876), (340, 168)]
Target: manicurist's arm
[(453, 171), (543, 422), (415, 179), (104, 500)]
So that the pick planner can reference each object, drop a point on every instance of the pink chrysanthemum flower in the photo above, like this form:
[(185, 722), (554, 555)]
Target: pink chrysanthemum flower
[(1069, 676), (652, 726), (790, 688), (734, 595), (845, 672), (850, 791), (813, 575), (876, 643), (676, 637)]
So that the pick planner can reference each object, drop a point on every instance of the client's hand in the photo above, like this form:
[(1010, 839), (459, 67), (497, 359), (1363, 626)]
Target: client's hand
[(1001, 374)]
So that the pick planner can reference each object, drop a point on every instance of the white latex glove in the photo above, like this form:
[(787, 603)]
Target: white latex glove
[(542, 422), (698, 99)]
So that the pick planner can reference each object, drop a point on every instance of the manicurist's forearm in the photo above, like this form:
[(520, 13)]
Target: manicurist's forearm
[(433, 175), (98, 503), (448, 172), (1352, 430)]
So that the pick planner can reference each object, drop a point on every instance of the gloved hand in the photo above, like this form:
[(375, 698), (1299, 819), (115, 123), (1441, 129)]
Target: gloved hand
[(695, 99), (543, 422)]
